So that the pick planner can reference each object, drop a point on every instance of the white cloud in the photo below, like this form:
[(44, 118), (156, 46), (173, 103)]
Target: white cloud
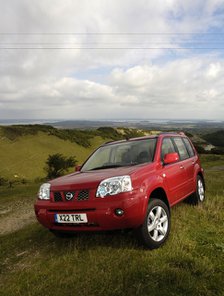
[(136, 83), (214, 70), (145, 90)]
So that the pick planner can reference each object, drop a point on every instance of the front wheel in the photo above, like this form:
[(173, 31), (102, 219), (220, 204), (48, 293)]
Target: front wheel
[(156, 227)]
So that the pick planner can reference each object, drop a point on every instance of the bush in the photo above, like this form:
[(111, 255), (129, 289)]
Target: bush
[(57, 165), (3, 181), (15, 131), (200, 149), (119, 134), (216, 138), (217, 151), (81, 137), (109, 133)]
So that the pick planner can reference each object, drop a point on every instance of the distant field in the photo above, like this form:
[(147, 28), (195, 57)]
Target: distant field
[(34, 262)]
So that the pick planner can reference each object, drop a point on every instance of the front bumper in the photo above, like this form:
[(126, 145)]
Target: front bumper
[(100, 212)]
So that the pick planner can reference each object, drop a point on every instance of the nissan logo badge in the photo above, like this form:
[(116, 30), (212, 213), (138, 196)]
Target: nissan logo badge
[(69, 195)]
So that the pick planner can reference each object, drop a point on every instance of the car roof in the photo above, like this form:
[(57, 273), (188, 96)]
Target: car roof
[(160, 135)]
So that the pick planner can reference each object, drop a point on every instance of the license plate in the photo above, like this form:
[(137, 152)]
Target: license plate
[(70, 218)]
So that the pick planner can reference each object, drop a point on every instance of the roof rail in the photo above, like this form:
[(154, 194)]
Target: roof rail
[(178, 133), (165, 133)]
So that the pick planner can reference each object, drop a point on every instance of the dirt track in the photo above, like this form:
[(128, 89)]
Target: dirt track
[(16, 216)]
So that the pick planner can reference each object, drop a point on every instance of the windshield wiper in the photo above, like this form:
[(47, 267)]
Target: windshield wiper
[(132, 163), (110, 166), (107, 167)]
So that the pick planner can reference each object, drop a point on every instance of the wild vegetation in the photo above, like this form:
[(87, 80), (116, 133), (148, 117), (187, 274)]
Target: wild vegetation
[(81, 137), (57, 165), (216, 138)]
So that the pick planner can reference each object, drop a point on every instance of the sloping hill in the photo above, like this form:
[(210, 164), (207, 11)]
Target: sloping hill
[(25, 156), (25, 148)]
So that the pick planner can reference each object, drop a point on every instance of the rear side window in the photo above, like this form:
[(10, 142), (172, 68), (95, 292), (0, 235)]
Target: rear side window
[(189, 147), (181, 148), (167, 147)]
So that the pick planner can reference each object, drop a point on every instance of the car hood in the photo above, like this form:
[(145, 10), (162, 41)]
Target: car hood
[(90, 179)]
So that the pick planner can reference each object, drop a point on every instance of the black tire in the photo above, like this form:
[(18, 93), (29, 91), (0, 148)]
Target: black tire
[(160, 230), (199, 195), (62, 234)]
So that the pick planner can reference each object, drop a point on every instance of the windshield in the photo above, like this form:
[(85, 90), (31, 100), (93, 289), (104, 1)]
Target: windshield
[(121, 154)]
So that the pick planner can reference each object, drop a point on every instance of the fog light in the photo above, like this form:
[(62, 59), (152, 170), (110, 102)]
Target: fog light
[(119, 212)]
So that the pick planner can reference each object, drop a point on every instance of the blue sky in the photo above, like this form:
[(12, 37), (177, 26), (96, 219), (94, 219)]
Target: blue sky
[(112, 59)]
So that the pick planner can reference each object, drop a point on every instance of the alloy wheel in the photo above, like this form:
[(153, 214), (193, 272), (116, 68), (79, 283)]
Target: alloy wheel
[(157, 223)]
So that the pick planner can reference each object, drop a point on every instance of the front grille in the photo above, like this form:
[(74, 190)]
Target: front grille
[(83, 195), (57, 196)]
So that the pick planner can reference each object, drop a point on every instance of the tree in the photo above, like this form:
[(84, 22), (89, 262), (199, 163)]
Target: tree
[(58, 164)]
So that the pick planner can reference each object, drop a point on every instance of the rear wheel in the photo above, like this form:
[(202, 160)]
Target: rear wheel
[(156, 227), (199, 195)]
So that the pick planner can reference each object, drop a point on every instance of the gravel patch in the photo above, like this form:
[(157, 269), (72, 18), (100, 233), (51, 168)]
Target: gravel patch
[(18, 216)]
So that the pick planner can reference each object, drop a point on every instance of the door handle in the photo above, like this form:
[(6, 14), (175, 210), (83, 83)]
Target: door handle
[(181, 167)]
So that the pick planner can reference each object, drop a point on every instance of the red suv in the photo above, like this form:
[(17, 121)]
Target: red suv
[(128, 184)]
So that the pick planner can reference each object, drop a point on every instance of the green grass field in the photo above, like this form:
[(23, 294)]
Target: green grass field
[(34, 262), (25, 156)]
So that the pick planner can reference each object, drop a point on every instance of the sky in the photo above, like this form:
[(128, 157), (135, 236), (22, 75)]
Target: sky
[(104, 59)]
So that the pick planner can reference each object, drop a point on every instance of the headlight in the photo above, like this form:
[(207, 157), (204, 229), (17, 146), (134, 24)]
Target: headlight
[(44, 192), (114, 186)]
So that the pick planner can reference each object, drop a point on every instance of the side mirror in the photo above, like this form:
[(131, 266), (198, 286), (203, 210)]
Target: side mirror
[(170, 158), (77, 168)]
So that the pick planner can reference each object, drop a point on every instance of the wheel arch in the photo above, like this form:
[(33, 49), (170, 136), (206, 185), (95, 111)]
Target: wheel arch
[(159, 193)]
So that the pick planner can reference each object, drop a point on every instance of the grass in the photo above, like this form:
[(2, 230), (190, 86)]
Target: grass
[(20, 192), (25, 157), (34, 262), (24, 149)]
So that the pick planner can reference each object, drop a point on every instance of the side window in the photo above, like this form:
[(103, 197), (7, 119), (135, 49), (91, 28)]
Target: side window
[(167, 147), (189, 147), (181, 148)]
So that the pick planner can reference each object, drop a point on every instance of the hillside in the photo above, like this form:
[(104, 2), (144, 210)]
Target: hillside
[(26, 156), (25, 148)]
